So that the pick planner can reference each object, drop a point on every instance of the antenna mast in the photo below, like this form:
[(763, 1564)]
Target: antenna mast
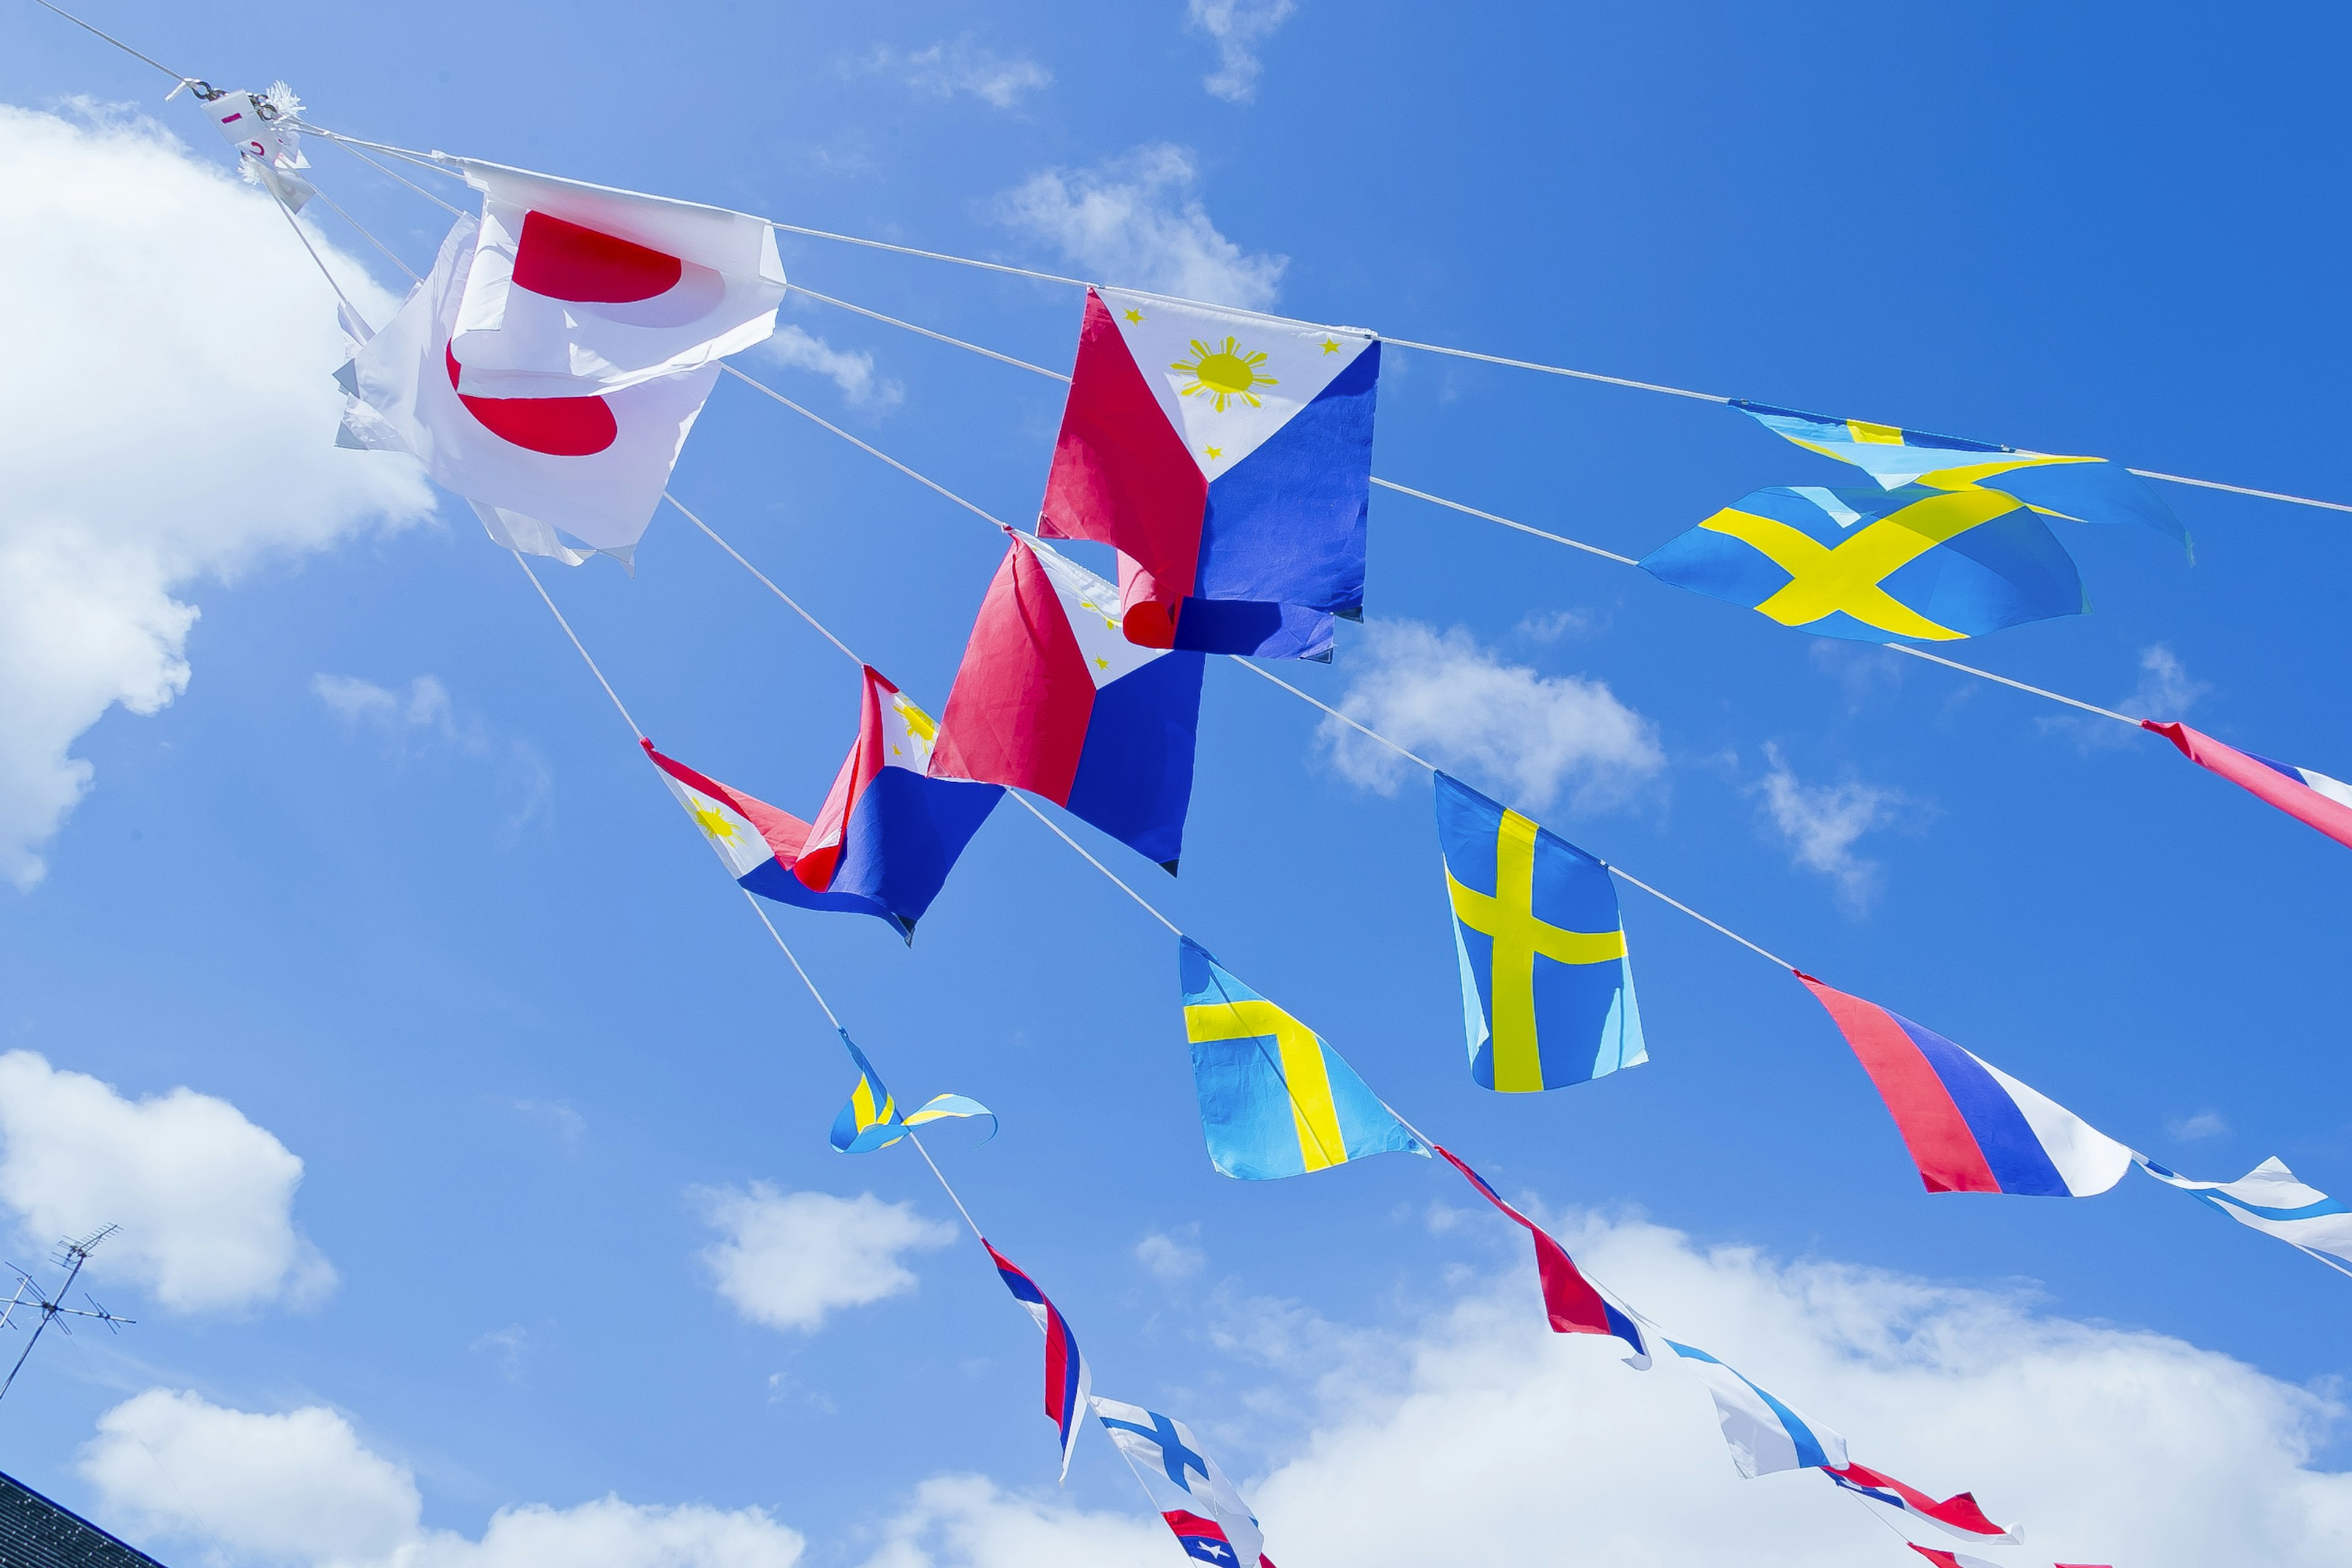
[(71, 1255)]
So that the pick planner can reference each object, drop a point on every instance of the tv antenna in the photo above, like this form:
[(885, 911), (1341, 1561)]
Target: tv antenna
[(70, 1256)]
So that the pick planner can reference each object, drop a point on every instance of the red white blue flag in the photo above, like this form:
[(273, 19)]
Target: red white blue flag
[(1970, 1126), (1051, 697), (2310, 797), (883, 844), (1571, 1301), (1943, 1559), (1184, 1484), (1069, 1382), (1957, 1513), (1228, 456)]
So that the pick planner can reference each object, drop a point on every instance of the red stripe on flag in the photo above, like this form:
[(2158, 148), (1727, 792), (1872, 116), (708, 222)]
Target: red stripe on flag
[(1933, 1129), (1959, 1511), (2295, 797), (1018, 711), (1122, 477), (1570, 1302)]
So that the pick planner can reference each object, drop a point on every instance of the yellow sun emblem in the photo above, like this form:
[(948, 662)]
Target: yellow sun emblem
[(713, 822), (1224, 375)]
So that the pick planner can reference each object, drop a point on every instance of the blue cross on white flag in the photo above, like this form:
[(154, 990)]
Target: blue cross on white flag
[(1182, 1479)]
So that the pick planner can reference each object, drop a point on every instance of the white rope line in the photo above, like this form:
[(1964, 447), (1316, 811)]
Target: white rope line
[(926, 331), (2004, 681), (118, 43), (929, 255), (913, 1138), (345, 143), (1265, 674), (820, 627), (390, 255), (316, 259), (861, 447), (577, 644), (1559, 370), (1116, 882), (2240, 489), (1507, 522), (822, 1005), (1622, 875)]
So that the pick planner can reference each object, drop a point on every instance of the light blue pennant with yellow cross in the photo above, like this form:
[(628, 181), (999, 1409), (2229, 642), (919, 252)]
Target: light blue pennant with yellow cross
[(1873, 566), (2083, 490), (1275, 1100), (872, 1120), (1546, 989)]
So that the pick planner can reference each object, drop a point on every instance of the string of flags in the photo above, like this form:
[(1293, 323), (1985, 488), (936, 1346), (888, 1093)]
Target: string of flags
[(550, 366)]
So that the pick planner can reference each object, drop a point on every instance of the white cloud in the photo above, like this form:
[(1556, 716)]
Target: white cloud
[(357, 702), (1172, 1257), (1236, 26), (1823, 821), (1137, 221), (204, 1197), (2204, 1125), (965, 65), (1534, 737), (786, 1260), (170, 419), (850, 370), (423, 718), (2166, 692), (300, 1487)]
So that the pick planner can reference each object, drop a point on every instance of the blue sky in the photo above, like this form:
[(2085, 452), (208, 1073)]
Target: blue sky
[(453, 947)]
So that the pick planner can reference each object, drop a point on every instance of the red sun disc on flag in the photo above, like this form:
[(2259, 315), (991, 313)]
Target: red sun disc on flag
[(558, 426), (565, 261)]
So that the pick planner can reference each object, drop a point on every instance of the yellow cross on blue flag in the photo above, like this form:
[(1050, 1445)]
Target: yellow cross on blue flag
[(872, 1119), (1275, 1100), (1936, 565), (1546, 989)]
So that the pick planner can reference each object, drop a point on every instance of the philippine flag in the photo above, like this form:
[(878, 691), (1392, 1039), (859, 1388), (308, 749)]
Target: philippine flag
[(1957, 1513), (1051, 697), (1228, 456), (884, 841), (1970, 1126), (572, 282), (1069, 1382), (2312, 798)]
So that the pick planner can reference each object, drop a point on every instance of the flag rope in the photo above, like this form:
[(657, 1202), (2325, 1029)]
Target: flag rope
[(820, 627), (926, 331), (280, 203), (348, 146), (390, 255)]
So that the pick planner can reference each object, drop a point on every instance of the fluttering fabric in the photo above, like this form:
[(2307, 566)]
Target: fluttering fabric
[(582, 470), (883, 844), (2083, 490), (1547, 987), (1943, 1559), (1228, 457), (1200, 1505), (268, 149), (1275, 1100), (1764, 1433), (1869, 566), (1571, 1304), (2309, 796), (2269, 1199), (872, 1118), (571, 283), (1052, 699), (1971, 1128), (1958, 1513), (1069, 1380)]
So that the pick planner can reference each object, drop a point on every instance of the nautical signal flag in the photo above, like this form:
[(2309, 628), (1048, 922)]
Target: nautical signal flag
[(884, 842), (1911, 562), (1547, 988), (1957, 1513), (2271, 1200), (2082, 490), (1069, 1380), (1570, 1302), (872, 1118), (1185, 1484), (2310, 797), (1970, 1126), (1275, 1100), (1228, 456), (1764, 1434), (589, 465), (571, 283), (1052, 699)]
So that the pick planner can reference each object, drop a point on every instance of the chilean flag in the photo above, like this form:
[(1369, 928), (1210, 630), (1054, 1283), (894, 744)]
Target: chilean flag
[(2312, 798), (1228, 457), (1051, 697), (1958, 1513), (1970, 1126), (1204, 1540), (1570, 1302), (1067, 1378), (883, 844)]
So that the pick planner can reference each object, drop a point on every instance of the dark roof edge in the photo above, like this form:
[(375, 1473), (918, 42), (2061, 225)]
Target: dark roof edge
[(95, 1529)]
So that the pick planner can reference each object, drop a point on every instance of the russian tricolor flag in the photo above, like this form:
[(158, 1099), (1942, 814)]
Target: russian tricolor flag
[(1957, 1513), (1970, 1126), (1053, 698), (1067, 1378), (2311, 798), (1571, 1302), (883, 844), (1228, 456)]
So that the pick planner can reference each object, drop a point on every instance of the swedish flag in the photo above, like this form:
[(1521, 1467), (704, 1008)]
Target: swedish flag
[(872, 1120), (2083, 490), (1275, 1100), (1936, 566), (1546, 989)]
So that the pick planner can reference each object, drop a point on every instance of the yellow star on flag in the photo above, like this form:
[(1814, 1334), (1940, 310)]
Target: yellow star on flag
[(1135, 317), (1214, 451), (1331, 345)]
